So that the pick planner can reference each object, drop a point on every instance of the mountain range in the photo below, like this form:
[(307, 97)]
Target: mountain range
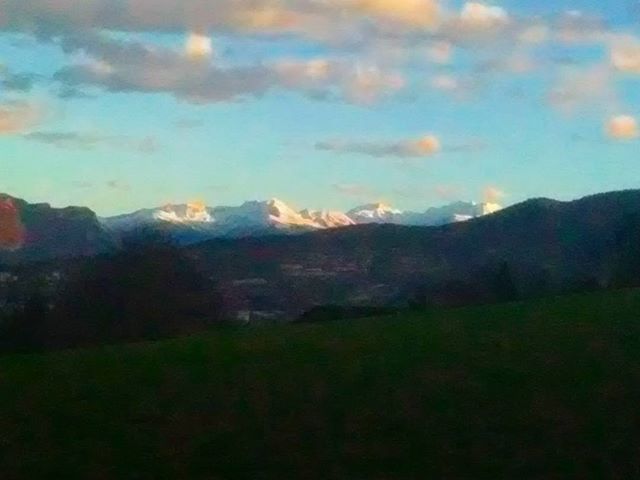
[(39, 231), (380, 256), (193, 222)]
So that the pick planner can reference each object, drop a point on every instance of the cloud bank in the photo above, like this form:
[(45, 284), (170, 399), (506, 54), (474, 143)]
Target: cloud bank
[(90, 141), (16, 117), (425, 146)]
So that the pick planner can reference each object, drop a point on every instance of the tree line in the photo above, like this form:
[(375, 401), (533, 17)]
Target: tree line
[(146, 290)]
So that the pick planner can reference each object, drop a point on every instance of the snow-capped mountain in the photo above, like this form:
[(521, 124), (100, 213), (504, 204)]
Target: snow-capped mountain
[(195, 221), (192, 214), (189, 213), (327, 218), (374, 213), (272, 213), (454, 212)]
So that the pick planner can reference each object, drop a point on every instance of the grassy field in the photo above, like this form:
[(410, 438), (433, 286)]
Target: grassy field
[(546, 389)]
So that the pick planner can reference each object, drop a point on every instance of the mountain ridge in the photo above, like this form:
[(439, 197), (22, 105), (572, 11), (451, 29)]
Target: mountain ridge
[(194, 220), (547, 246), (77, 231), (38, 231)]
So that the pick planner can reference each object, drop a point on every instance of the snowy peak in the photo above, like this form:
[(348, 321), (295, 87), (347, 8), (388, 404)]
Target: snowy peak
[(452, 213), (282, 214), (270, 213), (195, 212), (374, 213), (489, 208), (276, 213), (327, 219), (255, 217)]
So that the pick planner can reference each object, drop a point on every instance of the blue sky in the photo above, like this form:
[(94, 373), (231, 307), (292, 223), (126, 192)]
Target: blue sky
[(323, 103)]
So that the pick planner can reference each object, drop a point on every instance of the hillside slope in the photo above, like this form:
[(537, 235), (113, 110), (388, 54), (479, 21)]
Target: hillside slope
[(549, 246), (40, 231), (544, 389)]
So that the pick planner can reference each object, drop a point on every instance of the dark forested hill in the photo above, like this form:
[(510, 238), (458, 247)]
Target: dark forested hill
[(541, 245), (38, 232)]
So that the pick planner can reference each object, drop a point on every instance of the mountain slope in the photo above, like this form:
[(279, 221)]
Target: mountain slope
[(548, 246), (38, 231)]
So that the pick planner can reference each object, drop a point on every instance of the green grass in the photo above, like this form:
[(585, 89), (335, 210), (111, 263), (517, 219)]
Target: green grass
[(546, 389)]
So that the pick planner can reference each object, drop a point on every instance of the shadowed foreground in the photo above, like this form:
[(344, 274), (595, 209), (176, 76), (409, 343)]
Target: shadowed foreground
[(544, 389)]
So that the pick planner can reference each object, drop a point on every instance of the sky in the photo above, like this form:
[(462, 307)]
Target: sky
[(125, 104)]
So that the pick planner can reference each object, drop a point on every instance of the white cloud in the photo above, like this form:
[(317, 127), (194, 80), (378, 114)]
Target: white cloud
[(534, 34), (92, 140), (425, 146), (625, 54), (459, 87), (492, 194), (367, 84), (311, 18), (412, 13), (445, 82), (578, 88), (575, 27), (310, 74), (476, 15), (440, 52), (198, 46), (17, 117), (479, 25), (127, 66), (622, 127), (371, 46)]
